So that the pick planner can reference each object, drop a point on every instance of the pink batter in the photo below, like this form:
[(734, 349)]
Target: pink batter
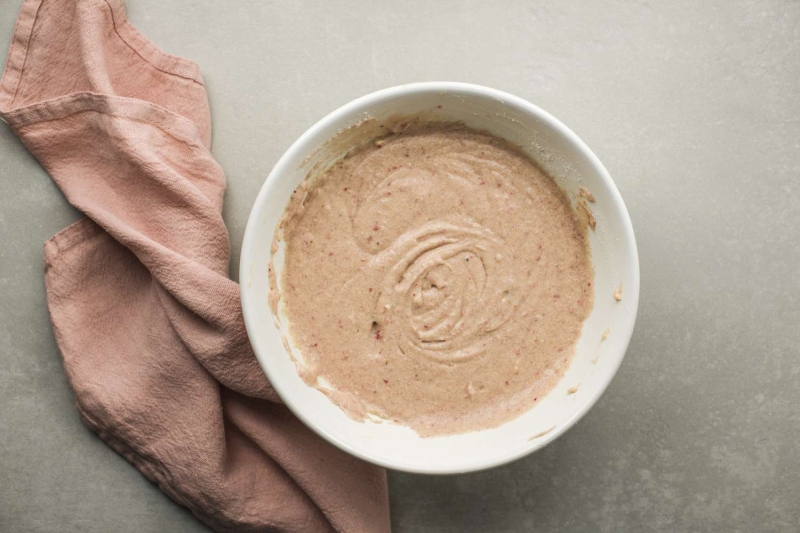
[(436, 278)]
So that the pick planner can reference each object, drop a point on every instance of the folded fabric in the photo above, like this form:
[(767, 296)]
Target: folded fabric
[(148, 323)]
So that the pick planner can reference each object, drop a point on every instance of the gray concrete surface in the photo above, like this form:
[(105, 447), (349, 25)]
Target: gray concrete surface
[(694, 109)]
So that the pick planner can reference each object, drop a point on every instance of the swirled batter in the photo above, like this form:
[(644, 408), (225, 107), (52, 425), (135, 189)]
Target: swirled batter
[(436, 278)]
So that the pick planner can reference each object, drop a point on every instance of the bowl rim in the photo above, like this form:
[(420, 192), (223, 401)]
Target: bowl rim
[(362, 104)]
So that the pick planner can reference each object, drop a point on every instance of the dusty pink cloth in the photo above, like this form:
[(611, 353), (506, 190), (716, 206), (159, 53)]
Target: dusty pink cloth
[(148, 323)]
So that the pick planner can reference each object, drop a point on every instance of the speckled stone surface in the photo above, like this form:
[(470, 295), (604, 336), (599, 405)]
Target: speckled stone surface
[(694, 109)]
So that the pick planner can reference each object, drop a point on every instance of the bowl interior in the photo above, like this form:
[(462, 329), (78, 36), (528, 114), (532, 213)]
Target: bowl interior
[(559, 152)]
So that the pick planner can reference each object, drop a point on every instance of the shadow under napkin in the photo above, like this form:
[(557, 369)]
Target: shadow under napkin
[(148, 324)]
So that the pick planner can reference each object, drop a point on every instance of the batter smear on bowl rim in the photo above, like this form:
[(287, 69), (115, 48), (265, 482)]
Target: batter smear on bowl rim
[(436, 278)]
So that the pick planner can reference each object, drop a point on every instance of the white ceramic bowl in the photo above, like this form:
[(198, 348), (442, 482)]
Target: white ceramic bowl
[(571, 163)]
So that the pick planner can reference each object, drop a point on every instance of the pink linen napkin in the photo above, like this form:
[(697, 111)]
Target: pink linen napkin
[(147, 321)]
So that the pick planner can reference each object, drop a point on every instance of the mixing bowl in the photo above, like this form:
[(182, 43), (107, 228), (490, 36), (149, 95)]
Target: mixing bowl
[(606, 332)]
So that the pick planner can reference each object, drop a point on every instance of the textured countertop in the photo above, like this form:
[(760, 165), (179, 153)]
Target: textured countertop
[(694, 109)]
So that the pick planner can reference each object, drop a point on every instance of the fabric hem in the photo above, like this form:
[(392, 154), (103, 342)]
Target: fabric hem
[(17, 53), (21, 38), (72, 235), (178, 126), (147, 50)]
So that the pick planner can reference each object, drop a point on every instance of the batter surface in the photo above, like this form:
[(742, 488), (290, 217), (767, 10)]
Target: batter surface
[(436, 278)]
